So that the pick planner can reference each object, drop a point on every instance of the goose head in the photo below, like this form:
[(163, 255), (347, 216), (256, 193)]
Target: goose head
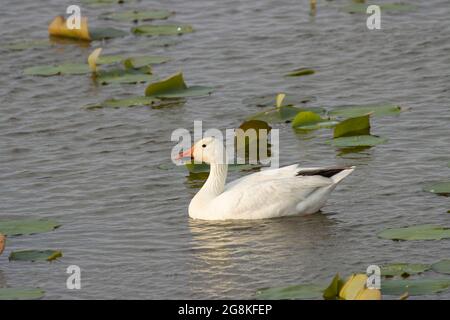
[(209, 150)]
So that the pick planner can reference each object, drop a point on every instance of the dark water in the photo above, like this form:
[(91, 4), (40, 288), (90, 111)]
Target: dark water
[(124, 219)]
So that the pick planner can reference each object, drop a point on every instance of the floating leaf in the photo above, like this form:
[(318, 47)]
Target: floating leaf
[(307, 120), (403, 269), (124, 76), (138, 15), (63, 69), (442, 266), (300, 72), (358, 126), (175, 87), (420, 232), (26, 226), (27, 44), (109, 59), (281, 114), (106, 33), (139, 62), (21, 293), (302, 291), (386, 7), (414, 287), (105, 2), (357, 141), (442, 188), (374, 110), (35, 255), (58, 27), (126, 102), (162, 30), (270, 100)]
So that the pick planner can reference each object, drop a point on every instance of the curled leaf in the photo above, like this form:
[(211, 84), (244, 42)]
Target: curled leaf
[(58, 27), (92, 59)]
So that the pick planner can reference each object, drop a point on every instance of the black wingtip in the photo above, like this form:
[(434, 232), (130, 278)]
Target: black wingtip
[(327, 172)]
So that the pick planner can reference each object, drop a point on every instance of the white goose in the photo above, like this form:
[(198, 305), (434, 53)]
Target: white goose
[(266, 194)]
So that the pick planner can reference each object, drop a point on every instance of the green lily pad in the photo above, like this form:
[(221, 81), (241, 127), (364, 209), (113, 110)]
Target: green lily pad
[(300, 72), (21, 293), (105, 2), (106, 33), (162, 30), (139, 62), (358, 111), (419, 232), (269, 100), (125, 103), (109, 59), (358, 126), (414, 287), (385, 7), (442, 266), (26, 226), (301, 291), (124, 76), (27, 44), (63, 69), (442, 188), (403, 269), (35, 255), (138, 15), (308, 120), (175, 87), (281, 114), (357, 141)]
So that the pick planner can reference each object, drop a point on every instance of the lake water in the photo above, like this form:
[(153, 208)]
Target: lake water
[(105, 174)]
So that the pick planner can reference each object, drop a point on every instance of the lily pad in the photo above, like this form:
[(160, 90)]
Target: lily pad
[(385, 7), (106, 33), (138, 15), (63, 69), (110, 59), (300, 72), (139, 62), (414, 287), (442, 266), (308, 120), (301, 291), (21, 293), (35, 255), (403, 269), (357, 111), (162, 30), (27, 44), (358, 126), (175, 87), (442, 188), (27, 226), (269, 100), (124, 76), (124, 103), (357, 141), (281, 114), (419, 232), (105, 2)]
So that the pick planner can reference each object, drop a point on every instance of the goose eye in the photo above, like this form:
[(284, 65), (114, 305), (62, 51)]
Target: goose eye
[(203, 145)]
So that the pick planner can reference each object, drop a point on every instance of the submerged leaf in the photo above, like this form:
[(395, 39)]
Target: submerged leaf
[(281, 114), (106, 33), (175, 87), (403, 269), (270, 100), (384, 7), (442, 266), (414, 287), (21, 293), (139, 62), (126, 102), (27, 44), (162, 30), (35, 255), (420, 232), (442, 188), (300, 72), (63, 69), (124, 76), (301, 291)]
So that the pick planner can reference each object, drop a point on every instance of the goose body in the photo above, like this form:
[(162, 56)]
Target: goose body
[(266, 194)]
